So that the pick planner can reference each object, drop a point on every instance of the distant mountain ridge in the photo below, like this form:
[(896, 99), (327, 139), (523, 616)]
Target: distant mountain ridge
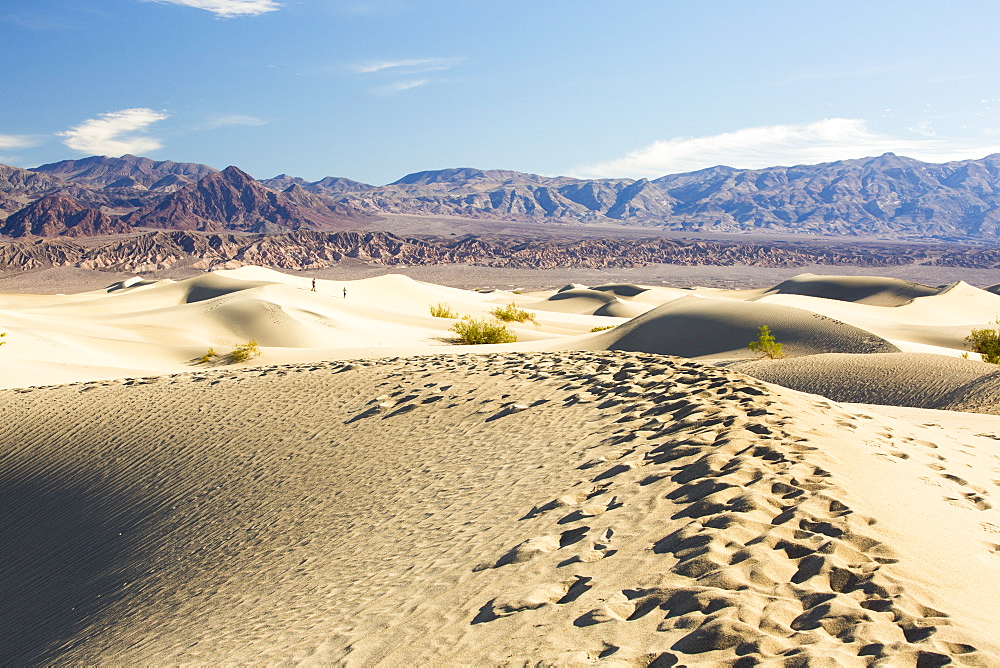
[(127, 171), (307, 249), (886, 196)]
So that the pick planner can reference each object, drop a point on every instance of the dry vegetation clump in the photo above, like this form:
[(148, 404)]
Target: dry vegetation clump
[(601, 328), (472, 331), (766, 344), (247, 351), (443, 310), (511, 313), (207, 357), (2, 334), (986, 342)]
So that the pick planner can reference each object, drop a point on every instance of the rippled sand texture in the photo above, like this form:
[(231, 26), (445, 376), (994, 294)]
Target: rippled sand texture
[(576, 507)]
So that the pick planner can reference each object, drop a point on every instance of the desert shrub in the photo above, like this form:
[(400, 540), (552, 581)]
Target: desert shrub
[(986, 342), (443, 310), (511, 313), (207, 357), (766, 344), (601, 328), (248, 350), (2, 334), (472, 331)]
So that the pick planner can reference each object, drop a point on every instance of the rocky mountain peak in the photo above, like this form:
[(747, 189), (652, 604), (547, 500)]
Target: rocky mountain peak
[(61, 216)]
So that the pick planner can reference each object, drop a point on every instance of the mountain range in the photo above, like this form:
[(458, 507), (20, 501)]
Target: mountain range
[(887, 196), (306, 249)]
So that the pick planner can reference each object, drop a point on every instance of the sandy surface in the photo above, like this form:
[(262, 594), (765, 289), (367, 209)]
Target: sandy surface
[(137, 327), (470, 277), (514, 508), (368, 493)]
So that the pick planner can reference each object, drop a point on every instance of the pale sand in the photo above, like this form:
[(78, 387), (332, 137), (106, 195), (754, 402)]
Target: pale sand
[(572, 508), (527, 505), (137, 328), (919, 380)]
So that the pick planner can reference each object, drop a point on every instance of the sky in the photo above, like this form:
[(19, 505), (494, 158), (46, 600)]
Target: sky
[(375, 89)]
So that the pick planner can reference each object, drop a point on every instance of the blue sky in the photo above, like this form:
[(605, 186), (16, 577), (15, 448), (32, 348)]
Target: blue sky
[(375, 89)]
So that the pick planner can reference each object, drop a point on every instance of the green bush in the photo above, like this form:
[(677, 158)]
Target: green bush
[(472, 331), (986, 342), (601, 328), (443, 310), (207, 357), (766, 344), (2, 334), (248, 350), (511, 313)]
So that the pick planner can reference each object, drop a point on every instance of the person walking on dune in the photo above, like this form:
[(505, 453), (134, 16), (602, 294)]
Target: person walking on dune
[(345, 292), (314, 285)]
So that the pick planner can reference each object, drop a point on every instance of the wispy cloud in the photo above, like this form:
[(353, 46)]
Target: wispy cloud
[(111, 133), (227, 120), (410, 66), (8, 142), (400, 86), (823, 141), (227, 8)]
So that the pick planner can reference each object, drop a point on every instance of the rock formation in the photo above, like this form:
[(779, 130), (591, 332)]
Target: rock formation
[(309, 249), (102, 171), (231, 200), (53, 216)]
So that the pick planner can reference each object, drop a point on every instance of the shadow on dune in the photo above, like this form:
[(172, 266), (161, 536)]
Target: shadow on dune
[(694, 326), (871, 290), (211, 286), (65, 552)]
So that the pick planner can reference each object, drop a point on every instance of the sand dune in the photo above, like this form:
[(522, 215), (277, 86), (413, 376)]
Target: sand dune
[(567, 508), (919, 380), (137, 327), (873, 290), (698, 327), (574, 498)]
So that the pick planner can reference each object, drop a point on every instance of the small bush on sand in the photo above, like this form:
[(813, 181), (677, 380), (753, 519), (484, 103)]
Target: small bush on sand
[(986, 342), (443, 310), (2, 334), (601, 328), (766, 344), (207, 357), (511, 313), (472, 331), (247, 351)]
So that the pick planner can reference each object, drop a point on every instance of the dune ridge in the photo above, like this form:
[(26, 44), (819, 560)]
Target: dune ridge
[(573, 508)]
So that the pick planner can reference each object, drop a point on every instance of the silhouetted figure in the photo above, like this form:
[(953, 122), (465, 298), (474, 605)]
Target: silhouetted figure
[(345, 292), (314, 285)]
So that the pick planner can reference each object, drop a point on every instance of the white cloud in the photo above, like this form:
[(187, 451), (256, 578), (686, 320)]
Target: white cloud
[(8, 142), (752, 148), (400, 86), (227, 120), (925, 128), (111, 133), (227, 8), (411, 66)]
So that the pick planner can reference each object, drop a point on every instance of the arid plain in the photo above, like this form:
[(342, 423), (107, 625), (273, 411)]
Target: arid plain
[(368, 492)]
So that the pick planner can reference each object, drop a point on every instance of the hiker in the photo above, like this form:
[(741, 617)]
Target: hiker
[(314, 285), (345, 292)]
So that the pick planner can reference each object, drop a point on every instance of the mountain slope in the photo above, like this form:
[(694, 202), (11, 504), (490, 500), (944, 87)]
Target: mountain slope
[(231, 200), (53, 216), (126, 171), (888, 195)]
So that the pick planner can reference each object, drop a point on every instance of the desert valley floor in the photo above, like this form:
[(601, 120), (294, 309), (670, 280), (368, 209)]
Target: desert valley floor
[(366, 492)]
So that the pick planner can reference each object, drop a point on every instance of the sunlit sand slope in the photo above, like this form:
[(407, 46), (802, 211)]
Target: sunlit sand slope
[(900, 379), (699, 327), (561, 508)]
